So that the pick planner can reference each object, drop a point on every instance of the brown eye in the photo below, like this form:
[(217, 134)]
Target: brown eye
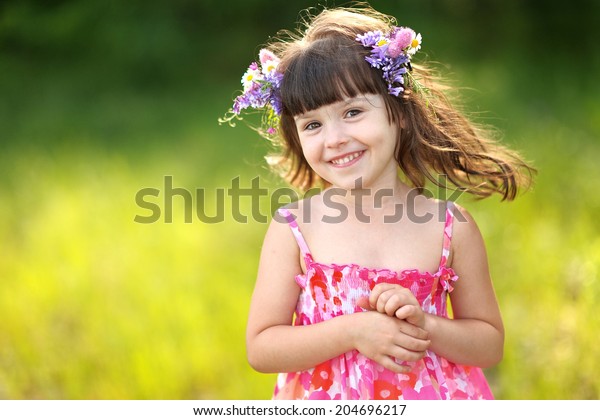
[(312, 126), (353, 113)]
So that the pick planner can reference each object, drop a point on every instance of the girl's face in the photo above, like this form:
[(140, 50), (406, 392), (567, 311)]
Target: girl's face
[(350, 141)]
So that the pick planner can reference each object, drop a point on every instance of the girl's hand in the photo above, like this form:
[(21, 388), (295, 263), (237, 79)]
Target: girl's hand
[(388, 341), (398, 301)]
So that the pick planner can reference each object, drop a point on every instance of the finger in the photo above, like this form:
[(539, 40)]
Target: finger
[(392, 299), (378, 290), (412, 330), (384, 298), (395, 303), (391, 364), (408, 298), (403, 354), (411, 343), (411, 314), (363, 302)]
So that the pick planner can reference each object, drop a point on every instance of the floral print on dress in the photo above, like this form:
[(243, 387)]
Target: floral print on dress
[(330, 290)]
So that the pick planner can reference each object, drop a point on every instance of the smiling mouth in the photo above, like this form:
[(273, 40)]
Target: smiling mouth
[(344, 161)]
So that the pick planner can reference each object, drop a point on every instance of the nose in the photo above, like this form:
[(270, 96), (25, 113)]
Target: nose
[(336, 135)]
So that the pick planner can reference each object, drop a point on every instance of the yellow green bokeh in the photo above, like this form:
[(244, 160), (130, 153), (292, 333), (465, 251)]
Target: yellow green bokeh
[(99, 100)]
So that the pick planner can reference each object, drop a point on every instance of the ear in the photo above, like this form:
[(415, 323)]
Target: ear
[(402, 121)]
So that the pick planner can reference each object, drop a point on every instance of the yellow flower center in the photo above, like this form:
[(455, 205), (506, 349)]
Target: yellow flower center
[(381, 42), (414, 43), (249, 77)]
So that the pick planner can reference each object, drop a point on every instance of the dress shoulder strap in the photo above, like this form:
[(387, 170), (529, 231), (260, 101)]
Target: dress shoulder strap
[(450, 208), (291, 219)]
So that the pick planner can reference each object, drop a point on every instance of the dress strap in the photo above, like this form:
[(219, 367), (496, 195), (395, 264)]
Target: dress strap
[(447, 233), (296, 231)]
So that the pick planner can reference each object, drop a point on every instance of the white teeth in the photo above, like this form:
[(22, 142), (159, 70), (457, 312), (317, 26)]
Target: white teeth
[(346, 159)]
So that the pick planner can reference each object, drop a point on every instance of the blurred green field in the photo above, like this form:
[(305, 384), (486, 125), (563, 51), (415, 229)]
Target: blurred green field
[(96, 306)]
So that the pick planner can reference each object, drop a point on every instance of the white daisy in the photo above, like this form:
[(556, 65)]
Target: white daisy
[(269, 67), (415, 45), (250, 77)]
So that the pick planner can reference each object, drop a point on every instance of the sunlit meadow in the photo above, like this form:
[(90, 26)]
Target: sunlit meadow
[(94, 305)]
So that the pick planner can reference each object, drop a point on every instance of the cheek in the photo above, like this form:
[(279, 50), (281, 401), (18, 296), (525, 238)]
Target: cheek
[(391, 137), (311, 151)]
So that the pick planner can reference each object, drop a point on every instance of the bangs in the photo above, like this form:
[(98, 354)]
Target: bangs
[(327, 72)]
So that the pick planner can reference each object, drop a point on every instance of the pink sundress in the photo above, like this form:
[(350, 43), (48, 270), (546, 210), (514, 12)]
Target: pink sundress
[(330, 290)]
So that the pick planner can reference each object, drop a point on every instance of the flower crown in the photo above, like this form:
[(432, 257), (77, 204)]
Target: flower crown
[(390, 53), (261, 84)]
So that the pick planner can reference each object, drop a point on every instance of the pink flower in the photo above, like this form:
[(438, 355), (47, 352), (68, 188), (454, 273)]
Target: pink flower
[(400, 41), (265, 55)]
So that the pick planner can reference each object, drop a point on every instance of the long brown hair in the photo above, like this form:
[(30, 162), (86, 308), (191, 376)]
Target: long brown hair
[(325, 63)]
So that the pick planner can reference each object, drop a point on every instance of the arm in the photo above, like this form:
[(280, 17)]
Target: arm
[(273, 345), (475, 336)]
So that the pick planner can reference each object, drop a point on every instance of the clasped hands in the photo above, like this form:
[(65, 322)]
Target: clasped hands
[(391, 331)]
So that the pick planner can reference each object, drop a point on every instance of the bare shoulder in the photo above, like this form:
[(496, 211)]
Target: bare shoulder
[(426, 211), (465, 230), (423, 209), (306, 210), (279, 240), (473, 296), (468, 246), (278, 265), (279, 259), (280, 243)]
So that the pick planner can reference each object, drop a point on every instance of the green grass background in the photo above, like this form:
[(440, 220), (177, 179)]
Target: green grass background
[(100, 99)]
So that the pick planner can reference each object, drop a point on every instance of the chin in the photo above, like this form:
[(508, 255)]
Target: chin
[(348, 184)]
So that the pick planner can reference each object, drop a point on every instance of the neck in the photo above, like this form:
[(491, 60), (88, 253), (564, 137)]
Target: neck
[(372, 200)]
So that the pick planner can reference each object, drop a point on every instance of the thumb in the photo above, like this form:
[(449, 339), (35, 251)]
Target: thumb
[(410, 313), (363, 302)]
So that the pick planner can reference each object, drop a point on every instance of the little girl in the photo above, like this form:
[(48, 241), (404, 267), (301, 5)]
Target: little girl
[(350, 298)]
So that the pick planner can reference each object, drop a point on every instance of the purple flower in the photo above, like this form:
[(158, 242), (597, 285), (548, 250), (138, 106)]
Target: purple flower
[(380, 52), (375, 61), (395, 91), (240, 103), (261, 84), (370, 38), (390, 55), (258, 95), (276, 103), (274, 79)]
